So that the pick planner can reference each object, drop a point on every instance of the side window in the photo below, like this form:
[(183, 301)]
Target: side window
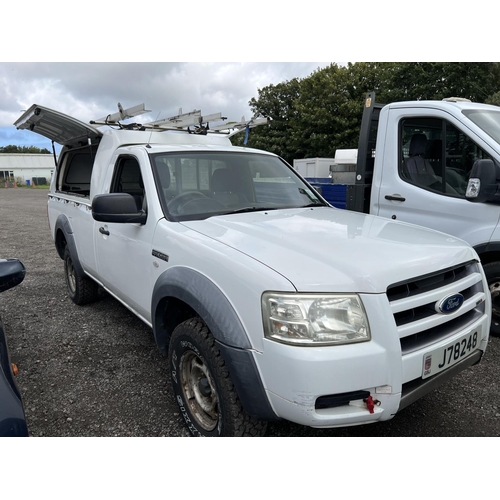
[(436, 156), (75, 175), (127, 178)]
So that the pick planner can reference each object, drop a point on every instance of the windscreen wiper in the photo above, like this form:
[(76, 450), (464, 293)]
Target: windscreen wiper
[(314, 204), (249, 209), (266, 209)]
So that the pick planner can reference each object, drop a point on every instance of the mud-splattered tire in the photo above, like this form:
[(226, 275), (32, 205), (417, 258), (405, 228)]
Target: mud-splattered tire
[(492, 271), (81, 289), (202, 387)]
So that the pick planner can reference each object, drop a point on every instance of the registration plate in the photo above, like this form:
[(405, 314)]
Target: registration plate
[(440, 359)]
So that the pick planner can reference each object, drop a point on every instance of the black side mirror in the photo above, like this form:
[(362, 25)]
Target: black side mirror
[(12, 272), (484, 182), (117, 207)]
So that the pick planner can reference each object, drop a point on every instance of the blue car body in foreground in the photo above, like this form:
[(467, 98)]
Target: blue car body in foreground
[(12, 417)]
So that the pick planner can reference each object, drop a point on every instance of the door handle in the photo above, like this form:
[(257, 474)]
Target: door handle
[(104, 231), (394, 197)]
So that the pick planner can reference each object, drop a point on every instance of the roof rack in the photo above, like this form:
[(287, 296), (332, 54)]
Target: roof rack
[(122, 114), (236, 127), (181, 122), (456, 99)]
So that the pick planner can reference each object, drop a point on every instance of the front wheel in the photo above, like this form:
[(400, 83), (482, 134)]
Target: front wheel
[(202, 387), (492, 271)]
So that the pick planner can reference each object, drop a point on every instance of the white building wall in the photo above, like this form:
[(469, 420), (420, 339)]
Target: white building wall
[(26, 166)]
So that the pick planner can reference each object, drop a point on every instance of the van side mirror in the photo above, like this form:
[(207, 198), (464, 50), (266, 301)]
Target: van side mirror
[(484, 182), (12, 272), (117, 207)]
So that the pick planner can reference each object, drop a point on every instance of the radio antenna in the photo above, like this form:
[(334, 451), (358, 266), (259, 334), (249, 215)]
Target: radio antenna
[(149, 140)]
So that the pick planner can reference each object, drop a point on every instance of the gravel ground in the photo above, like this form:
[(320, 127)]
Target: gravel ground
[(95, 370)]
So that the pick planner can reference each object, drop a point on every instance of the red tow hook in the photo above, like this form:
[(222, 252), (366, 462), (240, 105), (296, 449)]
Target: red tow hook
[(370, 404)]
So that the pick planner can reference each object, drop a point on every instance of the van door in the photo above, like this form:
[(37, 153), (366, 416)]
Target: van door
[(425, 171)]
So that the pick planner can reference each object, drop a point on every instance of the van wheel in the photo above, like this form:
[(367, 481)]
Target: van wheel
[(82, 290), (202, 387), (492, 271)]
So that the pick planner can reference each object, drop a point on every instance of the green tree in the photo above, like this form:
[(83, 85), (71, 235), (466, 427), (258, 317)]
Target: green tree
[(493, 99), (330, 106), (12, 149), (276, 102), (437, 80), (316, 115)]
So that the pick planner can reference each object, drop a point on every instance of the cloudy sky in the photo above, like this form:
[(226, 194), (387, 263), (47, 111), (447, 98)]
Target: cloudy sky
[(90, 91)]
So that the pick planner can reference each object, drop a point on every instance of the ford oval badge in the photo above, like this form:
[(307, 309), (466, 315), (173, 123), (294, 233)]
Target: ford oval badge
[(450, 303)]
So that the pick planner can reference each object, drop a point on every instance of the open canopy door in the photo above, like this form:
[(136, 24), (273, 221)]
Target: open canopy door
[(57, 127)]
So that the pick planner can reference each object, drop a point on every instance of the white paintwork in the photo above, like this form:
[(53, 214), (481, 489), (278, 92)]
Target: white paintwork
[(244, 255), (325, 249), (476, 223), (346, 156), (128, 247)]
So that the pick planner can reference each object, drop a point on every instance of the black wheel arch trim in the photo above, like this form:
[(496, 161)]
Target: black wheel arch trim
[(491, 246), (212, 306), (245, 376), (63, 224), (205, 298)]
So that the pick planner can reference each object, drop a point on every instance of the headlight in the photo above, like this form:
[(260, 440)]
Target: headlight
[(313, 319)]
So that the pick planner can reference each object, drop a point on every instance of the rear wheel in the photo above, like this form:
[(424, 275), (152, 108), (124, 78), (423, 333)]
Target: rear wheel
[(492, 271), (81, 289), (202, 387)]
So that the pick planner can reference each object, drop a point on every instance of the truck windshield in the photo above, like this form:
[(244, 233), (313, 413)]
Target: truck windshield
[(489, 121), (197, 185)]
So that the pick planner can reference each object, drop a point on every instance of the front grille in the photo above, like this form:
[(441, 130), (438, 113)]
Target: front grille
[(413, 304)]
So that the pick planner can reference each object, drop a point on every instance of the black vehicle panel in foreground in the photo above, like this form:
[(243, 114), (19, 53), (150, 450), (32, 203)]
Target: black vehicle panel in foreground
[(12, 417)]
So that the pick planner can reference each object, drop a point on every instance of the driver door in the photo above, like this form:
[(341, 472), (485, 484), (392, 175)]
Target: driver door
[(427, 184), (124, 250)]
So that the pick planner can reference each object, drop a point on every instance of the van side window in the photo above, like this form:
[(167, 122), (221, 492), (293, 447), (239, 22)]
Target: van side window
[(127, 178), (76, 173), (436, 156)]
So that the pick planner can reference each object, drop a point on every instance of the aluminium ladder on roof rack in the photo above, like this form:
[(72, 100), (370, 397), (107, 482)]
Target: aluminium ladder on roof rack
[(180, 122)]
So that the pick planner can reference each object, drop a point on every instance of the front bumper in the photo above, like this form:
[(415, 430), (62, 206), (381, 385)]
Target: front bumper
[(295, 377)]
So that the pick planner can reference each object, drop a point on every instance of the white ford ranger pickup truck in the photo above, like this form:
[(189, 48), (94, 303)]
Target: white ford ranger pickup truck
[(270, 303)]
